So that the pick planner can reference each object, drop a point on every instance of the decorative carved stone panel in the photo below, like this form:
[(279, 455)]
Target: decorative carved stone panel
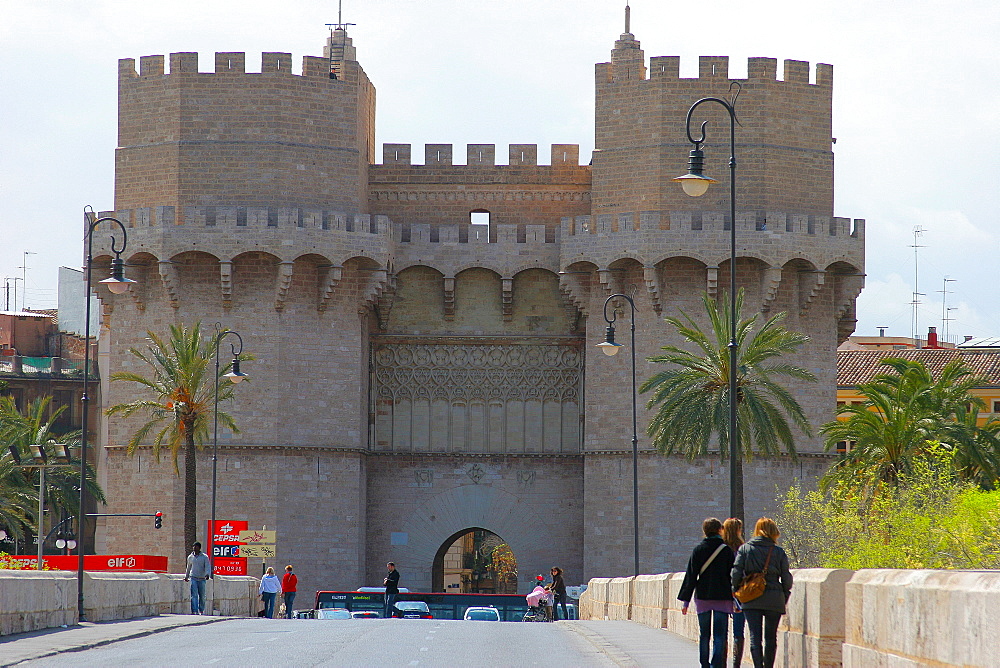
[(477, 394)]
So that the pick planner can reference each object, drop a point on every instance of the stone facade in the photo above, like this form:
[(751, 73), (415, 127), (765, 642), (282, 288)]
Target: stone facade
[(418, 375)]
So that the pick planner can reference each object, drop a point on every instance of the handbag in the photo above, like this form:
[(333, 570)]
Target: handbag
[(753, 585)]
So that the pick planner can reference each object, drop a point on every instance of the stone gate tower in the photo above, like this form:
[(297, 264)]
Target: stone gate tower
[(422, 331)]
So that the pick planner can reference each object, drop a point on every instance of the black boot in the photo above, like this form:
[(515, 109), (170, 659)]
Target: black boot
[(738, 652)]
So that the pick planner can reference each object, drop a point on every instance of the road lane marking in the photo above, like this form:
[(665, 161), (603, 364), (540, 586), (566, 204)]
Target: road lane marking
[(247, 649), (213, 661), (414, 663), (424, 649), (271, 639)]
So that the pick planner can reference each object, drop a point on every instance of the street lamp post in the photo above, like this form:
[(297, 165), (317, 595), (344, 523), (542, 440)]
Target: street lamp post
[(117, 284), (695, 184), (234, 376), (610, 347), (40, 459)]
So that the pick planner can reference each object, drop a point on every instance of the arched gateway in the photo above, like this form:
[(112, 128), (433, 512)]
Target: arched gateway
[(475, 561)]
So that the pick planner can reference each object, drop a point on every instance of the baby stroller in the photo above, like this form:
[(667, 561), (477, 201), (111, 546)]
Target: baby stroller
[(539, 605)]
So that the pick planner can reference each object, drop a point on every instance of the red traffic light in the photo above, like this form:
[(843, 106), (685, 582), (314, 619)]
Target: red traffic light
[(158, 520)]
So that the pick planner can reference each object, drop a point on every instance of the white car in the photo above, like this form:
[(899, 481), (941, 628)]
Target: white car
[(482, 614), (333, 613)]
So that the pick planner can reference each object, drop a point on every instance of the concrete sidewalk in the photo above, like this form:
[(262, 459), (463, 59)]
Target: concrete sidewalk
[(46, 642), (632, 644)]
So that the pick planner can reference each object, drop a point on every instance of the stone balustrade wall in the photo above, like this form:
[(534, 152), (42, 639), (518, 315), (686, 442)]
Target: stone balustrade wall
[(32, 600), (836, 617)]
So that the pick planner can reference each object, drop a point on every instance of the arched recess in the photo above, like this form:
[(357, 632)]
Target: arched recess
[(475, 506), (478, 302), (538, 307), (419, 304), (253, 280), (475, 561)]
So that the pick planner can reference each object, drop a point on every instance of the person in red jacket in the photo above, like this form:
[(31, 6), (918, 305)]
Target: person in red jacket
[(288, 585)]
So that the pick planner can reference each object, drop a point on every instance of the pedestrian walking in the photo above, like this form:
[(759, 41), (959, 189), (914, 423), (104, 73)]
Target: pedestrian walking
[(289, 583), (761, 554), (269, 588), (558, 587), (391, 583), (708, 579), (732, 534), (198, 570)]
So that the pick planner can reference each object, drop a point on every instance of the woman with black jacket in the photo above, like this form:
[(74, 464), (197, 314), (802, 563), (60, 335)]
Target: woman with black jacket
[(707, 578), (762, 555)]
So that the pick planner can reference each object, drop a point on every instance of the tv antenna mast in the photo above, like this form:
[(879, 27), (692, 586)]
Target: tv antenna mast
[(918, 231), (342, 47), (945, 319)]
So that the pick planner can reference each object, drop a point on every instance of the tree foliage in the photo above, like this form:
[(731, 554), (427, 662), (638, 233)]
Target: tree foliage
[(905, 409), (19, 429), (691, 396), (926, 517), (179, 402)]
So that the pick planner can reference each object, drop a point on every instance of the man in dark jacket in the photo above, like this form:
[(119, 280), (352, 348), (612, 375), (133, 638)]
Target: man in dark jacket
[(707, 578)]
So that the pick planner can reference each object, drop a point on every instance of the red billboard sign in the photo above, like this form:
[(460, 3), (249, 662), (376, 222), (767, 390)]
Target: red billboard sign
[(224, 546), (98, 562)]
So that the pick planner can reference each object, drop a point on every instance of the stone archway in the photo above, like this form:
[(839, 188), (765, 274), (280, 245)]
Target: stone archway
[(438, 522), (474, 561)]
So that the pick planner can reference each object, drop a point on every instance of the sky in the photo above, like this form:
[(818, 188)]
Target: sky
[(916, 109)]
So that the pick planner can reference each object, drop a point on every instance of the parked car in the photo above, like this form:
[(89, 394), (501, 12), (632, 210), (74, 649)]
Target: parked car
[(411, 610), (365, 614), (333, 613), (482, 614)]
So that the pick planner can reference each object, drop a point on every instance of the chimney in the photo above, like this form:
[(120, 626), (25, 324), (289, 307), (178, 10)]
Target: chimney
[(932, 341)]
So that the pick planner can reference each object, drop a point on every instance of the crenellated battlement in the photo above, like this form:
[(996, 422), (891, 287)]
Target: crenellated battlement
[(482, 155), (716, 68), (231, 62)]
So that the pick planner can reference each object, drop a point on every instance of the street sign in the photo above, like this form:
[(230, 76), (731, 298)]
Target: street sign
[(262, 536), (230, 566), (258, 550), (98, 562), (227, 532)]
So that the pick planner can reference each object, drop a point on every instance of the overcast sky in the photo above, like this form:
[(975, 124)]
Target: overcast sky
[(916, 108)]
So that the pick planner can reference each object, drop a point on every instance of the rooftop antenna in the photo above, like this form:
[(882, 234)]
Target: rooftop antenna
[(24, 279), (945, 308), (339, 25), (918, 231)]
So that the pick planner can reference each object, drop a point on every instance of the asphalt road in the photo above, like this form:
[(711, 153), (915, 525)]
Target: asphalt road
[(359, 642)]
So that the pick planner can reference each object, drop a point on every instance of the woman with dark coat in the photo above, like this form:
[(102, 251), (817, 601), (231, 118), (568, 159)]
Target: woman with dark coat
[(558, 587), (707, 578), (764, 613)]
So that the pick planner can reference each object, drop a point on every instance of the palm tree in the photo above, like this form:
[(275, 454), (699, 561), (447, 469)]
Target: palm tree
[(18, 430), (905, 410), (180, 410), (692, 397)]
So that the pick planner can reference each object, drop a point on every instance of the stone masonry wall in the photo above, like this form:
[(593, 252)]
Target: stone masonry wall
[(417, 504)]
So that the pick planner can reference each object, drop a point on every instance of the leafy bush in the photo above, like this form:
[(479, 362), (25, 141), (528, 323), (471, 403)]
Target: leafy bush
[(929, 518)]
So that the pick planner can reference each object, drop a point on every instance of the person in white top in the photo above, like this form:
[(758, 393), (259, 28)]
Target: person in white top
[(270, 585)]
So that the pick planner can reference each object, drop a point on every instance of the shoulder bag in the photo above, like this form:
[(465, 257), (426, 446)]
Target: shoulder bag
[(752, 586)]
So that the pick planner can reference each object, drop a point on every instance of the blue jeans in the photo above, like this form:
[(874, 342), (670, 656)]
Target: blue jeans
[(714, 629), (197, 596), (289, 599), (390, 600), (763, 626), (739, 622), (269, 597)]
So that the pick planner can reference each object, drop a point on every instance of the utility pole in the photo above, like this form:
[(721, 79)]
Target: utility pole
[(945, 308), (24, 279), (914, 324)]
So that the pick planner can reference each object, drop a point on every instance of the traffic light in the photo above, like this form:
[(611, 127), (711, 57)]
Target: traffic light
[(158, 520)]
